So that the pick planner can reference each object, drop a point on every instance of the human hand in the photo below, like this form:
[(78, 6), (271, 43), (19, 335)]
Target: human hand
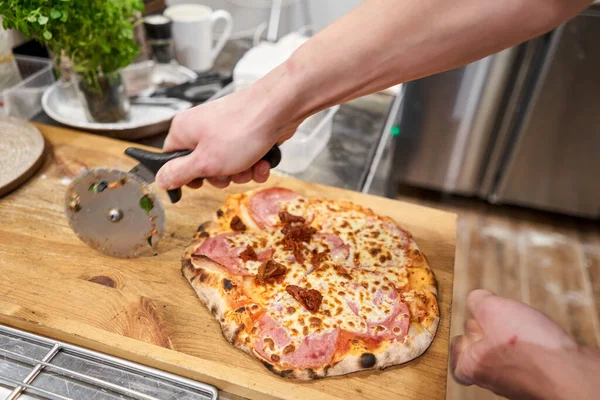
[(229, 136), (507, 348)]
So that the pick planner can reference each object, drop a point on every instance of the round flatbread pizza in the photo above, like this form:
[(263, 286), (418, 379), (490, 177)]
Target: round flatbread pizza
[(313, 287)]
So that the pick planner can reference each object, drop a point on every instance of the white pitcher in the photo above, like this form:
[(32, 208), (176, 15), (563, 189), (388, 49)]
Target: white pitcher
[(193, 26)]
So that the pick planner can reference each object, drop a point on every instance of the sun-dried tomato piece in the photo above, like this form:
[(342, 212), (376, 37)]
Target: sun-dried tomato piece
[(288, 218), (298, 233), (309, 298), (297, 249), (271, 271), (341, 271), (317, 258), (237, 225), (248, 254)]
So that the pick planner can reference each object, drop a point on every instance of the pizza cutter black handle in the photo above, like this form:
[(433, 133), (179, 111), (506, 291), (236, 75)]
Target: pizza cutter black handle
[(155, 161), (273, 156)]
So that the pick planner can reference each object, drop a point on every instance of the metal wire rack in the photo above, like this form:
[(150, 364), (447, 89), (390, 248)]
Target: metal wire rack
[(33, 367)]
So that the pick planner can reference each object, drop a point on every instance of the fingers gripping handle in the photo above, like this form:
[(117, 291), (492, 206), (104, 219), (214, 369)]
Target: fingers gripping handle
[(155, 161)]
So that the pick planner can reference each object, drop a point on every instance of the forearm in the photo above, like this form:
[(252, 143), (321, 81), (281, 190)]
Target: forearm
[(385, 42)]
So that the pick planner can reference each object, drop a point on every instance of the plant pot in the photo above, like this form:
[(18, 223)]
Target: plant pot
[(105, 102)]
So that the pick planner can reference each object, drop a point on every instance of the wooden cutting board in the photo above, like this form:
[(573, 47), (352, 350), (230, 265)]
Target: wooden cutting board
[(145, 311)]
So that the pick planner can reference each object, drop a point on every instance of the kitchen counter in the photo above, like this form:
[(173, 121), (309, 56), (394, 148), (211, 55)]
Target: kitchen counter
[(357, 130)]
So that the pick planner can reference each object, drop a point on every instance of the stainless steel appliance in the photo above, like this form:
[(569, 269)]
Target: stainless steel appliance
[(520, 127)]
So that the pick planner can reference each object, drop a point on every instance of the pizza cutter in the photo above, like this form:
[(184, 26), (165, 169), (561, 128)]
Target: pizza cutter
[(117, 212)]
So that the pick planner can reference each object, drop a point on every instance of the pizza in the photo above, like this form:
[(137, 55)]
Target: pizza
[(313, 287)]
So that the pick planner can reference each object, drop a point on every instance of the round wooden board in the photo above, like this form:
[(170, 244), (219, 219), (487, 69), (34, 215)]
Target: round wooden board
[(21, 152)]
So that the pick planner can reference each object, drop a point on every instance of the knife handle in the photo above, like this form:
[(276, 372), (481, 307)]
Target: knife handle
[(155, 161)]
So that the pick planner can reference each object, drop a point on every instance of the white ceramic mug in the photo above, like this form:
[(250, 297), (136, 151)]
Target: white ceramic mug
[(193, 34)]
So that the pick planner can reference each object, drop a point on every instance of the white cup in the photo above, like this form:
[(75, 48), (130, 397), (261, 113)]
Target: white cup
[(192, 29)]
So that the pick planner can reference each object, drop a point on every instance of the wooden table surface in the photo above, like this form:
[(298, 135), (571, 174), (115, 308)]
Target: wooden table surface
[(145, 311)]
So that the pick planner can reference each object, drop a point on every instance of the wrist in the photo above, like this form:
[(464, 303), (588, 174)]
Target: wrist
[(533, 373), (299, 88), (278, 98), (567, 374), (540, 379)]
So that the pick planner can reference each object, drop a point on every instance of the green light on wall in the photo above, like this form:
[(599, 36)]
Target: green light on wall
[(395, 131)]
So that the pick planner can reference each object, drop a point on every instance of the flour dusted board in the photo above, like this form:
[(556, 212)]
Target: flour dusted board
[(145, 311)]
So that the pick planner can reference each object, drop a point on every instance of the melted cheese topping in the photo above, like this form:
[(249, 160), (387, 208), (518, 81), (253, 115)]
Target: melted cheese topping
[(362, 294), (374, 242), (335, 308), (368, 259), (378, 261), (299, 207)]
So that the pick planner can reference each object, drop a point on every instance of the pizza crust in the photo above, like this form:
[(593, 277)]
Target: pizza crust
[(396, 353), (212, 291)]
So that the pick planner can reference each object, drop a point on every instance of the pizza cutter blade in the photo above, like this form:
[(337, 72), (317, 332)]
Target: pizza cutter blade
[(115, 212)]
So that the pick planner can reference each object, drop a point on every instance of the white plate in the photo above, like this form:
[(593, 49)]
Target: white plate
[(61, 104)]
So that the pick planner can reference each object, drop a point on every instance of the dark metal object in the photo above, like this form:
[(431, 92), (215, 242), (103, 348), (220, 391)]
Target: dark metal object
[(115, 214), (32, 366), (198, 90)]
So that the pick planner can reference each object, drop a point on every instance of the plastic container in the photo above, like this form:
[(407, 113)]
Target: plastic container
[(24, 100), (265, 56), (309, 140)]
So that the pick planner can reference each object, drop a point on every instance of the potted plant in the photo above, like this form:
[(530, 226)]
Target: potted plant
[(96, 35)]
